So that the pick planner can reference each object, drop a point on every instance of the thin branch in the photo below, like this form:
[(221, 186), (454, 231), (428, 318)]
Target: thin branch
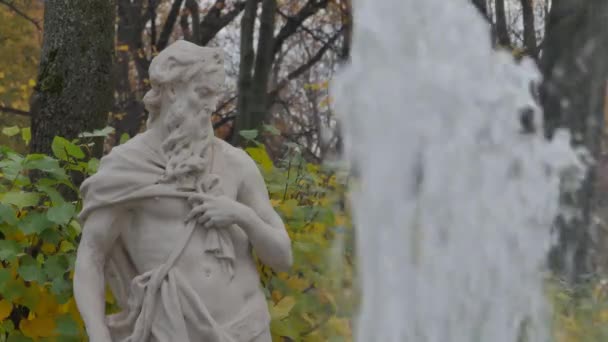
[(183, 23), (306, 66), (213, 21), (224, 121), (293, 23), (14, 111), (163, 40), (192, 6), (21, 14), (224, 105)]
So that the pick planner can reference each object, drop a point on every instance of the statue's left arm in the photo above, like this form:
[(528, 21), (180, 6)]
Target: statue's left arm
[(252, 212)]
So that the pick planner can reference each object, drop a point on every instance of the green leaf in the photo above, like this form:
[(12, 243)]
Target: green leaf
[(11, 167), (62, 148), (284, 328), (7, 214), (51, 236), (61, 214), (34, 223), (21, 199), (56, 266), (11, 131), (282, 308), (272, 130), (26, 135), (75, 151), (66, 326), (61, 288), (13, 289), (93, 166), (43, 163), (7, 326), (58, 148), (56, 198), (29, 270), (105, 132), (124, 138), (9, 249), (249, 134), (18, 337)]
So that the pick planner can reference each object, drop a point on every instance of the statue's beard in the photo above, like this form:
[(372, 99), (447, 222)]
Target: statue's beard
[(187, 146)]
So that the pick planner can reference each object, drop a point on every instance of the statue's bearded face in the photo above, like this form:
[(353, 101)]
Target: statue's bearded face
[(185, 87)]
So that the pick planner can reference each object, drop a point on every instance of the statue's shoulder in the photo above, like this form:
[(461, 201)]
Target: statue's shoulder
[(131, 148), (233, 156)]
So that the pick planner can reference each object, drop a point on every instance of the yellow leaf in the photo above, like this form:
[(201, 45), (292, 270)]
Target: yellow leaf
[(288, 207), (2, 74), (340, 325), (604, 315), (276, 296), (123, 47), (282, 308), (66, 246), (326, 297), (297, 283), (48, 248), (110, 296), (261, 157), (6, 308), (47, 304), (341, 220), (38, 327), (31, 82)]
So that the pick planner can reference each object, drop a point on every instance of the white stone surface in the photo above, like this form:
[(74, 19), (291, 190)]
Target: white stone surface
[(171, 220)]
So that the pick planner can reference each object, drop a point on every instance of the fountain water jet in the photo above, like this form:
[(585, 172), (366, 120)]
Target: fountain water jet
[(453, 202)]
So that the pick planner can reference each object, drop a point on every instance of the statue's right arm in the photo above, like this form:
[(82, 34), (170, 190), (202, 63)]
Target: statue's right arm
[(101, 230)]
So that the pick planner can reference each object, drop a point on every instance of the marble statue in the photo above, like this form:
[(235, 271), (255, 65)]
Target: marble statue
[(171, 220)]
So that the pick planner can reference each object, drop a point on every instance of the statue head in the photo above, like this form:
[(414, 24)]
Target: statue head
[(186, 80)]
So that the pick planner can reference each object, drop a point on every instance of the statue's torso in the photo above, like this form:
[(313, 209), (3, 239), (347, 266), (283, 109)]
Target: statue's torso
[(157, 223)]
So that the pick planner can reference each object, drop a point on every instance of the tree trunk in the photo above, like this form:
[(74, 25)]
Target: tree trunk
[(258, 105), (529, 28), (482, 6), (245, 67), (74, 90), (502, 28), (128, 110), (575, 69)]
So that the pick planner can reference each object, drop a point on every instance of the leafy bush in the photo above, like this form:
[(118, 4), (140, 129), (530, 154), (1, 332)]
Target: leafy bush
[(39, 234), (581, 311)]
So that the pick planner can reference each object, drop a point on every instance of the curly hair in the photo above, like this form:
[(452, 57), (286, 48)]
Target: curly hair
[(186, 148)]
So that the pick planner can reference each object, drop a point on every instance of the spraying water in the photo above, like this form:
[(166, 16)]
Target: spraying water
[(454, 201)]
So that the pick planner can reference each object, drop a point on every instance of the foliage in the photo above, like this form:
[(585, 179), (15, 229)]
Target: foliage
[(580, 311), (20, 41), (19, 55), (315, 301), (39, 234)]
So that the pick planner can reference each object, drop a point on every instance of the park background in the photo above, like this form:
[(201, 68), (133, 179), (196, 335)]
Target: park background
[(72, 76)]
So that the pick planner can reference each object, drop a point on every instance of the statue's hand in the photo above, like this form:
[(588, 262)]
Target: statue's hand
[(215, 211)]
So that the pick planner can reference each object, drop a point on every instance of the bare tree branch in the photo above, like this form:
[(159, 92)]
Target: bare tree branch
[(214, 21), (163, 40), (306, 66), (223, 121), (21, 13), (193, 9), (293, 23), (14, 111), (183, 23)]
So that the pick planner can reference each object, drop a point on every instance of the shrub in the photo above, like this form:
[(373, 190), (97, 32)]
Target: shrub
[(39, 234)]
